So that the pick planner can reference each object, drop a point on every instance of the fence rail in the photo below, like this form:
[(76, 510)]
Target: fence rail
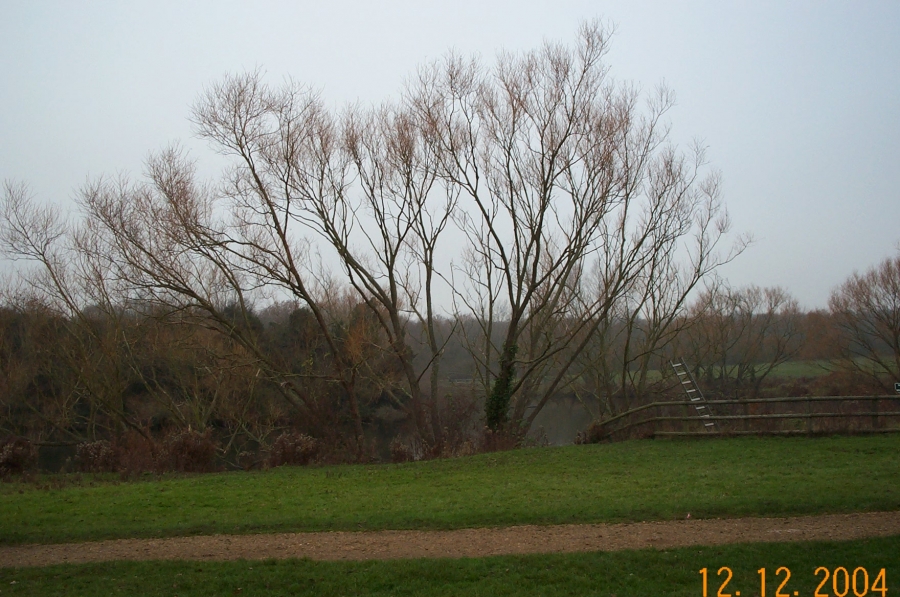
[(803, 415)]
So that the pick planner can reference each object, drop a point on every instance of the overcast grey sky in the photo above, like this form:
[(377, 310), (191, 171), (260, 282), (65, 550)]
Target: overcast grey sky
[(798, 102)]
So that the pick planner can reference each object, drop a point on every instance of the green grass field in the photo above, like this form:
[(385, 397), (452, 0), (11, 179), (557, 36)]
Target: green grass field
[(629, 481), (788, 370), (646, 573), (797, 369)]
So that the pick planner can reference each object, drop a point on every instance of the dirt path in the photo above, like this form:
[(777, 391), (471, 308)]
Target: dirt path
[(461, 543)]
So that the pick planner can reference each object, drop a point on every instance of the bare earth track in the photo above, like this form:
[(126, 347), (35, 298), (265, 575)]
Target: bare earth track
[(383, 545)]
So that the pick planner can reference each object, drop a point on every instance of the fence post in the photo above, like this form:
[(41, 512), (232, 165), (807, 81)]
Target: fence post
[(657, 422), (808, 416), (875, 416)]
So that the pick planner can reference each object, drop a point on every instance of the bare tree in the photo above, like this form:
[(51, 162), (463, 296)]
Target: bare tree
[(867, 310), (400, 219), (363, 183), (560, 171), (114, 359), (575, 210), (628, 357), (72, 286), (739, 336), (173, 250)]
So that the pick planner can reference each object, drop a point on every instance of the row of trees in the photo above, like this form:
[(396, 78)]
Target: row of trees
[(530, 219), (75, 379)]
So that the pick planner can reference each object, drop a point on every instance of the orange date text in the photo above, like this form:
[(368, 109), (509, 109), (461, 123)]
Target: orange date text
[(837, 582)]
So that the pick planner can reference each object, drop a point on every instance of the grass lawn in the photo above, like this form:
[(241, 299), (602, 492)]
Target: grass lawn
[(630, 573), (629, 481), (796, 369)]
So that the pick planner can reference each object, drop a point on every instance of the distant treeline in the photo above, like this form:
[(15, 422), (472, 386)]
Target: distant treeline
[(150, 374)]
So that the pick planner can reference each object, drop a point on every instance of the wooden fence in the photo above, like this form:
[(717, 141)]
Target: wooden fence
[(806, 415)]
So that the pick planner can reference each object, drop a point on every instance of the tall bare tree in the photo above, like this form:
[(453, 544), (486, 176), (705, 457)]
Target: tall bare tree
[(363, 183), (573, 206), (866, 308), (561, 170), (628, 357)]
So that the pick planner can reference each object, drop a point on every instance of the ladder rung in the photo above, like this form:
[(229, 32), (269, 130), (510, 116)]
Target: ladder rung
[(695, 396)]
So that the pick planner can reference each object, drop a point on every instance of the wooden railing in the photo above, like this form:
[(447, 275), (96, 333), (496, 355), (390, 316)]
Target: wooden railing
[(805, 415)]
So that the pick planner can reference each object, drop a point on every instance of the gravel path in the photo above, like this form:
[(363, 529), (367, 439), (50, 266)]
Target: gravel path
[(463, 543)]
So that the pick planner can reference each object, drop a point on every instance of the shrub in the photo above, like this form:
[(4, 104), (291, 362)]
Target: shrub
[(292, 447), (501, 440), (17, 455), (592, 435), (401, 451), (135, 453), (458, 450), (96, 457), (187, 451)]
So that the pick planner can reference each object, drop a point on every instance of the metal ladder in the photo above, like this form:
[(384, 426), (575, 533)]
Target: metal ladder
[(692, 390)]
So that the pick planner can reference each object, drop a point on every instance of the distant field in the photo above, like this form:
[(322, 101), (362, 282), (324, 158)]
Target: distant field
[(788, 370), (642, 573), (795, 369), (629, 481)]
